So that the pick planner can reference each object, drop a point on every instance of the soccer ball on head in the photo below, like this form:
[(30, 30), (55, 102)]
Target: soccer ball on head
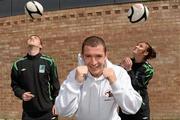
[(138, 12), (33, 9)]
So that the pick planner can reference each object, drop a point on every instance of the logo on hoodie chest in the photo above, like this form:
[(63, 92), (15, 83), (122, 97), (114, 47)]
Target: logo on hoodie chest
[(109, 96)]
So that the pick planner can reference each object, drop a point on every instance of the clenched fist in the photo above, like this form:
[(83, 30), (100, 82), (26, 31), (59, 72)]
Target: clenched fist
[(126, 63), (81, 71), (109, 74)]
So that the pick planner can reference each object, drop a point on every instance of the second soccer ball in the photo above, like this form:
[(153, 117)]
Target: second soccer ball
[(138, 12)]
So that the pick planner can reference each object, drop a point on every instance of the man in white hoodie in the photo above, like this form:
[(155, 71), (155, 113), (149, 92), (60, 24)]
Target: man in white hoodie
[(95, 89)]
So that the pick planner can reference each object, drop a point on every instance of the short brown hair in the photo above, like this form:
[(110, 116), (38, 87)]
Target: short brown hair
[(38, 37), (93, 41)]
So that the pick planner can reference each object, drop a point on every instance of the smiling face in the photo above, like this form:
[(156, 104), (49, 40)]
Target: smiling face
[(94, 58)]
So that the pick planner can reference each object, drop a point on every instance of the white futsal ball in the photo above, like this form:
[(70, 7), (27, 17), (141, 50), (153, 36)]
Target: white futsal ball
[(138, 12), (33, 9)]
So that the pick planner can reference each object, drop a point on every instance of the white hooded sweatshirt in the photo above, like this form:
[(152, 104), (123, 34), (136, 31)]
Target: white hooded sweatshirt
[(95, 98)]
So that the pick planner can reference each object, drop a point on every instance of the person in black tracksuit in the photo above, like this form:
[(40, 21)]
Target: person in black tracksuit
[(35, 81), (140, 72)]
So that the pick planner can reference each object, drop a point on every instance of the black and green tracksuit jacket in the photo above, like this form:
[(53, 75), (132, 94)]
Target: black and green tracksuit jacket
[(140, 75), (38, 75)]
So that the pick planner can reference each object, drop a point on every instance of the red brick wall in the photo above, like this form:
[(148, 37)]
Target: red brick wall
[(63, 31)]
